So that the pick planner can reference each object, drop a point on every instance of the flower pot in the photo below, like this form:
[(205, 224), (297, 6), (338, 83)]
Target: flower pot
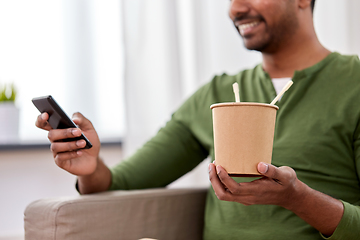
[(9, 123)]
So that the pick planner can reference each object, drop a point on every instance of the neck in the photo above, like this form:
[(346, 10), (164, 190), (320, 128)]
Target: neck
[(300, 52)]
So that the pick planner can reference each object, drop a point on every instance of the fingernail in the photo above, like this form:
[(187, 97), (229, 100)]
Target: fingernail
[(76, 132), (43, 116), (263, 167), (218, 169), (210, 167), (80, 143)]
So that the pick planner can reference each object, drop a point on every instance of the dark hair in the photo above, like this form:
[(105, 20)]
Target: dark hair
[(312, 5)]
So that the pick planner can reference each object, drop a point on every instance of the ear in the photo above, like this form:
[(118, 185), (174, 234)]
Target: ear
[(303, 4)]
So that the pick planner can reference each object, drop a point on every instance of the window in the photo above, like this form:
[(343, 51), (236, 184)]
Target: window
[(69, 49)]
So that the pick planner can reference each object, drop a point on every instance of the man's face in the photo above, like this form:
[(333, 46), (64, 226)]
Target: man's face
[(264, 24)]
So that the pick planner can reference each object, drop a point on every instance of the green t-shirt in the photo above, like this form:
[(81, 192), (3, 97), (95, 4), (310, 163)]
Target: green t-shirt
[(317, 133)]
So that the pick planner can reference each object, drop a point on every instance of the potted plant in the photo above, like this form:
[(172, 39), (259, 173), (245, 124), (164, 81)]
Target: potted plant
[(9, 115)]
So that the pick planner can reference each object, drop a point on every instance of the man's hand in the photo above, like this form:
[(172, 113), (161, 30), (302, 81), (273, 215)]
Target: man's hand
[(69, 155), (280, 186)]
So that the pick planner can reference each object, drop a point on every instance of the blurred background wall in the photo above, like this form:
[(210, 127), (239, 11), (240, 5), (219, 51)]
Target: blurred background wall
[(127, 65)]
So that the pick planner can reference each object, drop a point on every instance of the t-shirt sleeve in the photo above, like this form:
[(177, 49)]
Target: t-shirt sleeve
[(348, 228), (171, 153)]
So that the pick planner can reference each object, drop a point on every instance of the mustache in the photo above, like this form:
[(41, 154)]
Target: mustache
[(246, 17)]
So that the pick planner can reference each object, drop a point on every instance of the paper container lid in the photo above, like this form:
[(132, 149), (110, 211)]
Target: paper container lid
[(230, 104)]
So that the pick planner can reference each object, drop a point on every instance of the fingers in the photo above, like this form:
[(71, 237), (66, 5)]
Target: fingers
[(63, 159), (218, 187), (60, 134), (41, 121), (60, 147), (65, 151), (56, 135), (227, 181), (226, 188), (273, 188)]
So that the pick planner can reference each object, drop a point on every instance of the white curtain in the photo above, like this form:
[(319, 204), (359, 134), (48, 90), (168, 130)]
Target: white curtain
[(171, 48), (71, 49), (336, 23), (174, 46), (94, 63)]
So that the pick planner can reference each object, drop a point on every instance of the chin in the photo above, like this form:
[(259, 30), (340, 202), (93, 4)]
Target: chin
[(255, 47), (260, 46)]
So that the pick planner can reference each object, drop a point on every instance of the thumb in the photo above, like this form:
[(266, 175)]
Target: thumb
[(82, 121), (268, 170)]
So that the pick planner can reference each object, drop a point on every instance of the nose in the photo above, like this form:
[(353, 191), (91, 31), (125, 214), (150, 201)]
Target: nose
[(238, 8)]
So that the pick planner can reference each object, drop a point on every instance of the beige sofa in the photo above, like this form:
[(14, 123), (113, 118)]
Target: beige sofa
[(163, 214)]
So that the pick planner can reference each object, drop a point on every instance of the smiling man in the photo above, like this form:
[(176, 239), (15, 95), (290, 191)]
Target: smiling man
[(283, 32), (312, 190)]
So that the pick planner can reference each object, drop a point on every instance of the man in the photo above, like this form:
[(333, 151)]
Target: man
[(316, 143)]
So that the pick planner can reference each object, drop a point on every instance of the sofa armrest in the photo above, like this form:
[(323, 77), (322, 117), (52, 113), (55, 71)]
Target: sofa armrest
[(157, 213)]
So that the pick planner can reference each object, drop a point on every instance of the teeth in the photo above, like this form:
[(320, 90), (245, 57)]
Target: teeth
[(243, 27)]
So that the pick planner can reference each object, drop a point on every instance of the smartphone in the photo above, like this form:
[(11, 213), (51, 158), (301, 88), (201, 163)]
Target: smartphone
[(57, 117)]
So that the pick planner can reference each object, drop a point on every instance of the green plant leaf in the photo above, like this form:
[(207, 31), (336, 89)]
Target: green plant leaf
[(2, 96), (4, 90), (13, 93)]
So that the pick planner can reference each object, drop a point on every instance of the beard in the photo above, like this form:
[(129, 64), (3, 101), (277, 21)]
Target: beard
[(273, 37)]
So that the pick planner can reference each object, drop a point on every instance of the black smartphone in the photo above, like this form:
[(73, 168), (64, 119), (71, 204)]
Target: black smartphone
[(57, 117)]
